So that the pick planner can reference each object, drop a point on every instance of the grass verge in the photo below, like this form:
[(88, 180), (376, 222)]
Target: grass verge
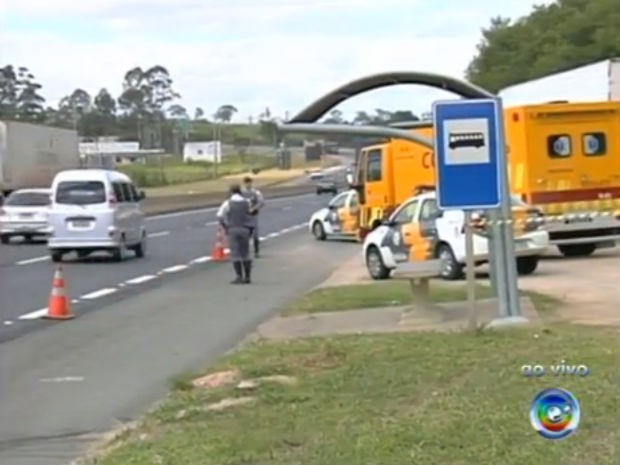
[(427, 399), (393, 293)]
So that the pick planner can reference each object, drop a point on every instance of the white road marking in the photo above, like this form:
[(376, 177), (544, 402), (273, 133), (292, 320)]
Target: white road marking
[(99, 293), (159, 234), (33, 315), (7, 322), (141, 279), (42, 258), (174, 269), (211, 223), (62, 379)]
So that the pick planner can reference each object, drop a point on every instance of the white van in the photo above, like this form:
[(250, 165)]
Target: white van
[(95, 210)]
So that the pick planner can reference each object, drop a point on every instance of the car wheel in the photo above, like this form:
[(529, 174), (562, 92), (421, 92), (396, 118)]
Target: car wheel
[(374, 264), (577, 250), (4, 239), (118, 254), (451, 270), (527, 265), (56, 256), (140, 249), (318, 231)]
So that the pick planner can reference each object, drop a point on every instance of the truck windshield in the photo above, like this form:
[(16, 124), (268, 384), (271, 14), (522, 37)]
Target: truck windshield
[(28, 199), (80, 192)]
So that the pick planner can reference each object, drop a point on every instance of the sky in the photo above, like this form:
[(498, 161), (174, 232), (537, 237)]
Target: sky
[(276, 54)]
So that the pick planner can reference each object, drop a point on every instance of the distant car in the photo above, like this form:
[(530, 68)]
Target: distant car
[(24, 214), (326, 186)]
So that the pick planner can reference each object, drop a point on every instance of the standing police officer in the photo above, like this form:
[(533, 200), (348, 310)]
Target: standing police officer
[(257, 202), (235, 217)]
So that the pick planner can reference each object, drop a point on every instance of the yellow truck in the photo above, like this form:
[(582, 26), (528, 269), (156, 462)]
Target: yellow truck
[(564, 158)]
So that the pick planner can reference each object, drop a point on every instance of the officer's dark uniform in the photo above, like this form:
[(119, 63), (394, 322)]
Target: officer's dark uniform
[(234, 216)]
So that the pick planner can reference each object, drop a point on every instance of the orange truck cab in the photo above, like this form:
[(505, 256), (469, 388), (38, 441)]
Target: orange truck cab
[(564, 159)]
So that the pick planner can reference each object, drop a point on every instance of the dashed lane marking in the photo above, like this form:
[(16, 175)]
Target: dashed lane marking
[(28, 261), (141, 279), (100, 293), (158, 234), (145, 278)]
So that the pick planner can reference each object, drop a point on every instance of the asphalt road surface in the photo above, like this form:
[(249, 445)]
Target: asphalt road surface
[(177, 242), (62, 387)]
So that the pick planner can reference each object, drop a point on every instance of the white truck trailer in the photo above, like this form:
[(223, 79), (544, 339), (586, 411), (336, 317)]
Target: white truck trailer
[(32, 154), (595, 82)]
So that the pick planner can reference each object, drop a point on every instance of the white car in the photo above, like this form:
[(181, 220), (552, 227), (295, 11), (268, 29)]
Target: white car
[(24, 214), (339, 219), (418, 225)]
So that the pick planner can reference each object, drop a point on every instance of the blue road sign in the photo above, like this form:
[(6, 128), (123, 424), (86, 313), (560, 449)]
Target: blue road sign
[(469, 150)]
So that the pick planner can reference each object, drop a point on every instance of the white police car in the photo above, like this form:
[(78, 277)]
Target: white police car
[(418, 229), (340, 219)]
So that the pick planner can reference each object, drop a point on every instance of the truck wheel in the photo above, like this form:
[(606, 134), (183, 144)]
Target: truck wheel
[(318, 231), (4, 239), (527, 265), (577, 250), (374, 264), (451, 270)]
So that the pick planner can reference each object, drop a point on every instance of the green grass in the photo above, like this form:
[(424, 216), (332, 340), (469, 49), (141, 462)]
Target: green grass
[(393, 293), (172, 171), (424, 398)]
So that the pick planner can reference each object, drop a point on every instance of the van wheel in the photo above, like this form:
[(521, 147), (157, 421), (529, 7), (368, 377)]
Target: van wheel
[(451, 270), (83, 253), (56, 256), (527, 265), (318, 231), (374, 264), (577, 250), (140, 249), (4, 239), (118, 254)]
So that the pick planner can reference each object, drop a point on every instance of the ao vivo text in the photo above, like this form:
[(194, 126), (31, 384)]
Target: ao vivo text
[(559, 369)]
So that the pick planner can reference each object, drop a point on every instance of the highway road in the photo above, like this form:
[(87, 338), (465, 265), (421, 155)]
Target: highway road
[(177, 243), (62, 387)]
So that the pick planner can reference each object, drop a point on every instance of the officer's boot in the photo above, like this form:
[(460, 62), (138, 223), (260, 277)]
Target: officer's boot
[(238, 272), (247, 268)]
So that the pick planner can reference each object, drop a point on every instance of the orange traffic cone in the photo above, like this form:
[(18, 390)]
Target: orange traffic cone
[(219, 252), (58, 307)]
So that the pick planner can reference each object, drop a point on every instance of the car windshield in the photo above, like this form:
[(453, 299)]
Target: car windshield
[(80, 192), (28, 199)]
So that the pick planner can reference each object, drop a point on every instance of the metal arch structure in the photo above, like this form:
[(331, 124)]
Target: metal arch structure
[(313, 112)]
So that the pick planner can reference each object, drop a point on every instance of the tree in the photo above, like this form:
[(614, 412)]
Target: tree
[(177, 111), (104, 104), (552, 38), (362, 117), (198, 113), (335, 117), (73, 107), (19, 94), (225, 113)]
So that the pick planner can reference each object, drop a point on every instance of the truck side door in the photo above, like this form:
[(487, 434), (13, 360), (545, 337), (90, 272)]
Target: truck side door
[(376, 183)]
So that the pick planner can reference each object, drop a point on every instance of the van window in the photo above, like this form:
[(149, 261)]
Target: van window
[(406, 213), (80, 192), (118, 191), (559, 146), (135, 197), (127, 197), (429, 210), (594, 144), (27, 199), (373, 166)]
